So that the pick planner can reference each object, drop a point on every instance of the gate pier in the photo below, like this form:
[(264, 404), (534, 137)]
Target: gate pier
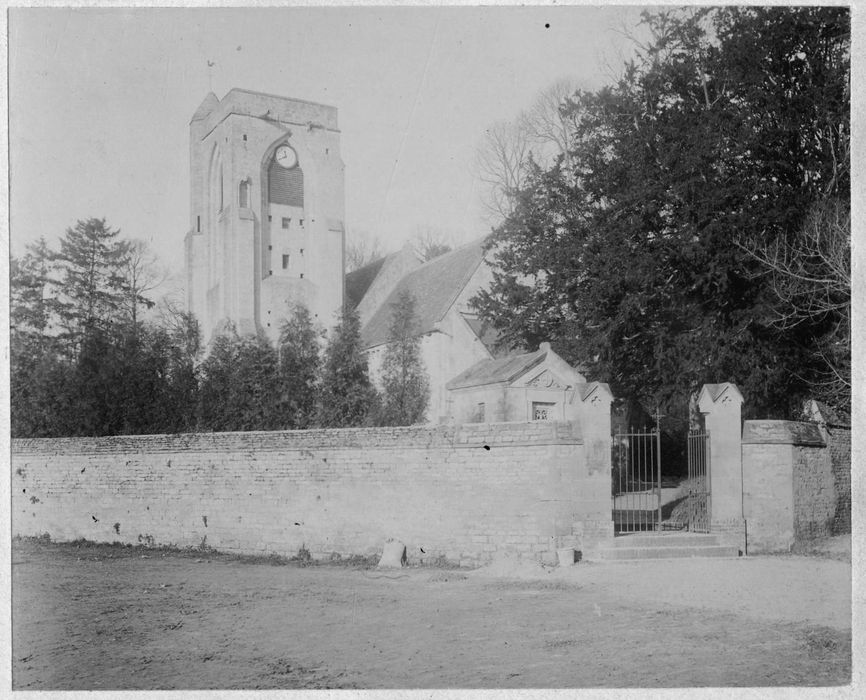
[(721, 406)]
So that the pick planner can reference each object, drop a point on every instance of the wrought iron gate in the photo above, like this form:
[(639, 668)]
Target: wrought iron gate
[(637, 482), (698, 485)]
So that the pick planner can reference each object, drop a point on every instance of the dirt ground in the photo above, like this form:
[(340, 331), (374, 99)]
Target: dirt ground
[(103, 617)]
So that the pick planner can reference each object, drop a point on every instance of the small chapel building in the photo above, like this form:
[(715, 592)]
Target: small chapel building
[(534, 386)]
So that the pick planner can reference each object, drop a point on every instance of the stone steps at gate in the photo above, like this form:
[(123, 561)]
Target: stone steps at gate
[(665, 539), (637, 553), (663, 546)]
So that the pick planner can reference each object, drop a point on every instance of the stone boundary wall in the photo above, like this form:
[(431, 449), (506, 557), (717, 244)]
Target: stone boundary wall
[(462, 493), (788, 484), (838, 438)]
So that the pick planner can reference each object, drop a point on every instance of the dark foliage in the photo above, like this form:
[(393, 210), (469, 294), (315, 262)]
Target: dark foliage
[(298, 370), (405, 388), (730, 128), (347, 397), (81, 361)]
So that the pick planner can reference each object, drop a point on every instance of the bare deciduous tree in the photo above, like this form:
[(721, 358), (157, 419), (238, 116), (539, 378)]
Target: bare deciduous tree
[(362, 250), (501, 166), (142, 273), (430, 243), (812, 280), (548, 127), (180, 324), (542, 132)]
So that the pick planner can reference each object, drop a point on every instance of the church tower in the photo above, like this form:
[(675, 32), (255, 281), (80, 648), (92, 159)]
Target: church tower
[(266, 212)]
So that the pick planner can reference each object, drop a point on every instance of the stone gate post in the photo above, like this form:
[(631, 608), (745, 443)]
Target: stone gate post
[(593, 519), (721, 406)]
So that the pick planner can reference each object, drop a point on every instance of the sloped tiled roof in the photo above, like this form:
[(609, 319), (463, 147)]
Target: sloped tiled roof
[(359, 281), (435, 286), (505, 369)]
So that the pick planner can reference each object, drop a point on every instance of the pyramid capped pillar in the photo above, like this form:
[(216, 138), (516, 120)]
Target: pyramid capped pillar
[(593, 401), (721, 405)]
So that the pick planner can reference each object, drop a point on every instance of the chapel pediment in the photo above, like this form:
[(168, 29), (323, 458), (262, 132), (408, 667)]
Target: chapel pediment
[(546, 380)]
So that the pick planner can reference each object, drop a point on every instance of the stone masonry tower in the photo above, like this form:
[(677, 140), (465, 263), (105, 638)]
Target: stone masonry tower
[(266, 212)]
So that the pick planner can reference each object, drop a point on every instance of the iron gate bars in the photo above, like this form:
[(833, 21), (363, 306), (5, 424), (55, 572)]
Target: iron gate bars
[(637, 482), (698, 485)]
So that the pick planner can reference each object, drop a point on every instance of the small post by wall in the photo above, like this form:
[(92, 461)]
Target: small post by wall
[(721, 406)]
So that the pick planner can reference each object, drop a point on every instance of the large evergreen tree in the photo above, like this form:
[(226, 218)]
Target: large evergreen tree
[(298, 370), (91, 259), (178, 338), (37, 374), (238, 389), (347, 398), (255, 382), (405, 387), (731, 127), (83, 361), (217, 390)]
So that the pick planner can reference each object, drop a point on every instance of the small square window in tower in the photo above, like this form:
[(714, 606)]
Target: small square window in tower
[(286, 221), (285, 262)]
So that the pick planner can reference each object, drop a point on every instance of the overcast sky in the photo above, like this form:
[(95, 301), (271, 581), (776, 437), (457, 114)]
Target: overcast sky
[(100, 102)]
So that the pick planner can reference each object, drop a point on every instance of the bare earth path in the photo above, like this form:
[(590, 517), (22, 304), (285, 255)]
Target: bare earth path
[(119, 618)]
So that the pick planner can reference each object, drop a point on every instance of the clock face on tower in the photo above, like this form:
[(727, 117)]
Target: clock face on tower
[(286, 157)]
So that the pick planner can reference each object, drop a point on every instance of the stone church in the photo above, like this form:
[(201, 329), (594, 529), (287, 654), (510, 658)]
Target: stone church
[(267, 232)]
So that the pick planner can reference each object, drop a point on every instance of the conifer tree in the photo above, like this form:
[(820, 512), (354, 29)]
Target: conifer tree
[(347, 397), (255, 384), (217, 390), (82, 360), (36, 371), (30, 284), (238, 383), (405, 387), (298, 368), (179, 335), (91, 259), (98, 386)]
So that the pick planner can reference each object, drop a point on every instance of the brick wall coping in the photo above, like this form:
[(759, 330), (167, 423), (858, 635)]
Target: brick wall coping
[(781, 432), (469, 436)]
